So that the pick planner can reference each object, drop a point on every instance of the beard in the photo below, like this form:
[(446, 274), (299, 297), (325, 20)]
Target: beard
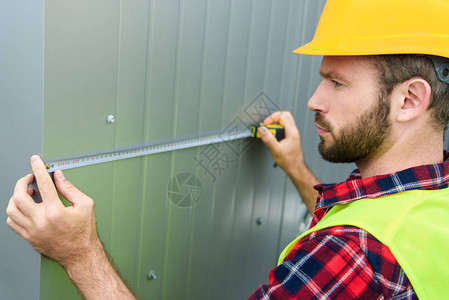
[(360, 139)]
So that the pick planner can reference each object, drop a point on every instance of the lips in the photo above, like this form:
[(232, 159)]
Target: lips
[(321, 124), (320, 127), (321, 131)]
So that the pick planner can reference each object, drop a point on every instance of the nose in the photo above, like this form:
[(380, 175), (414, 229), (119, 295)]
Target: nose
[(317, 101)]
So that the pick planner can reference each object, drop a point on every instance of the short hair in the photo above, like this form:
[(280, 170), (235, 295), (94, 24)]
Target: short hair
[(394, 69)]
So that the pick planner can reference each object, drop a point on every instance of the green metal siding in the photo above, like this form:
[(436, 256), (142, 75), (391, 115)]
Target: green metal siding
[(168, 69)]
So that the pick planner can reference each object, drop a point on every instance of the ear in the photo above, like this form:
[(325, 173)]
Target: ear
[(414, 98)]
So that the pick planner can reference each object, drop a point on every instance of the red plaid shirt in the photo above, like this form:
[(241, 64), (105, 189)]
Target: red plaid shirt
[(346, 262)]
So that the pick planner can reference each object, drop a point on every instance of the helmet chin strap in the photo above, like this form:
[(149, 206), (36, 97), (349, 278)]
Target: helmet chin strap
[(441, 67)]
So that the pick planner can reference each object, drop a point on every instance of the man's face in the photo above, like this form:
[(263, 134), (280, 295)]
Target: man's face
[(350, 114)]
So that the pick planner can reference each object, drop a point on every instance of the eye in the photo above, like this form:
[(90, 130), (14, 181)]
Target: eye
[(336, 83)]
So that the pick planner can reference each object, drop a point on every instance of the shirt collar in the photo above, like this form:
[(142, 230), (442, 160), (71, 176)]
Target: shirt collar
[(426, 177)]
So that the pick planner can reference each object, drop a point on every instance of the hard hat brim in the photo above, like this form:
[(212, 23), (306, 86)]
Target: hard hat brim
[(409, 44)]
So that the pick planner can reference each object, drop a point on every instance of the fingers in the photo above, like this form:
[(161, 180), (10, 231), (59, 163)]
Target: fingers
[(285, 118), (17, 228), (16, 217), (287, 153), (281, 117), (21, 207), (67, 189), (268, 138), (44, 182), (21, 198), (23, 183)]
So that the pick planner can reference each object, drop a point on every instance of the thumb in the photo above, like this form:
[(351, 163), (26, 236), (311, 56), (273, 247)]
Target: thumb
[(67, 189), (268, 138)]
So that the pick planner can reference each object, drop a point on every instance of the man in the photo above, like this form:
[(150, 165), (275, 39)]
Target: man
[(381, 234)]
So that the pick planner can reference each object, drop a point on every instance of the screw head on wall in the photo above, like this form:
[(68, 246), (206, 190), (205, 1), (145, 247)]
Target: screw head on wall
[(110, 119), (151, 275)]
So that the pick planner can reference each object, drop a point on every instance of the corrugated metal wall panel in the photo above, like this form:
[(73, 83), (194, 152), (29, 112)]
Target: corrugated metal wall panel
[(171, 69), (21, 101)]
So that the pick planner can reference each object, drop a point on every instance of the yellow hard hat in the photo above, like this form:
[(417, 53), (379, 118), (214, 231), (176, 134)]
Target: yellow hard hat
[(368, 27)]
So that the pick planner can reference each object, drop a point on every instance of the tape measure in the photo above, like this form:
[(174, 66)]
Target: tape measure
[(276, 129), (160, 147)]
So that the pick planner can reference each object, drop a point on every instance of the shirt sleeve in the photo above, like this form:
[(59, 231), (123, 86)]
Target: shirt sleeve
[(328, 266)]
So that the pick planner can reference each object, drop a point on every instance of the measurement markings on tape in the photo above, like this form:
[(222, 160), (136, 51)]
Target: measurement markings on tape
[(165, 146), (142, 150)]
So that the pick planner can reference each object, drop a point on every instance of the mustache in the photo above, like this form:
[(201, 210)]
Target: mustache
[(322, 122)]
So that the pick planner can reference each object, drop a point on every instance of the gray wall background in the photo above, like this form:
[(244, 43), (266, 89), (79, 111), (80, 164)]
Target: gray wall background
[(21, 100)]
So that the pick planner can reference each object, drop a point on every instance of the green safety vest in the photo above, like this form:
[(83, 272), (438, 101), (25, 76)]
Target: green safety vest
[(414, 225)]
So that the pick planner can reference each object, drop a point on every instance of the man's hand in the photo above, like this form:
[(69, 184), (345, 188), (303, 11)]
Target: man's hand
[(67, 235), (64, 234), (288, 155)]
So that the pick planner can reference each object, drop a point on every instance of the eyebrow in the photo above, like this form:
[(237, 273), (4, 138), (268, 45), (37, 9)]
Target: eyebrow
[(333, 75)]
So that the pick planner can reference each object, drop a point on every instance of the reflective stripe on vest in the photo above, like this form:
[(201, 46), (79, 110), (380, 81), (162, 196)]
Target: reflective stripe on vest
[(414, 225)]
